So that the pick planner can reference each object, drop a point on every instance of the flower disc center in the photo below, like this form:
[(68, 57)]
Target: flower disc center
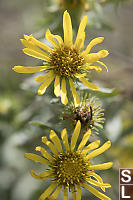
[(70, 169), (66, 61)]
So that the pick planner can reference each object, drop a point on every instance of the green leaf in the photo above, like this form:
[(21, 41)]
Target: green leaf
[(40, 124), (106, 92)]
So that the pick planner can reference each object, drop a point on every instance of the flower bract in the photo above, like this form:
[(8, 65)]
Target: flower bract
[(69, 165), (65, 61), (89, 112)]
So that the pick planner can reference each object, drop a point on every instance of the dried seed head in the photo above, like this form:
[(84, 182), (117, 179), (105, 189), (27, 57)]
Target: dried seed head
[(85, 115)]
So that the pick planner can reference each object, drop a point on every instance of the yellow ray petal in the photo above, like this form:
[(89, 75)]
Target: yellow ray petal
[(96, 192), (67, 27), (80, 75), (39, 79), (44, 85), (93, 182), (75, 135), (47, 192), (81, 44), (84, 140), (50, 145), (74, 93), (78, 193), (35, 54), (50, 38), (100, 150), (97, 68), (81, 33), (88, 84), (36, 42), (36, 158), (22, 69), (53, 136), (59, 39), (94, 57), (97, 177), (33, 47), (91, 44), (64, 137), (46, 175), (27, 37), (101, 63), (91, 146), (44, 153), (101, 166), (57, 86), (55, 193), (34, 175), (64, 98), (73, 193), (65, 190)]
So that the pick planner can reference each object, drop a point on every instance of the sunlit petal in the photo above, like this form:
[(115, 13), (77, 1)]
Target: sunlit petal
[(91, 44), (88, 84), (75, 135), (67, 27), (101, 166), (100, 150), (22, 69), (64, 137), (64, 98), (55, 139), (36, 158), (74, 93), (57, 86), (47, 192), (81, 33), (44, 85), (96, 192)]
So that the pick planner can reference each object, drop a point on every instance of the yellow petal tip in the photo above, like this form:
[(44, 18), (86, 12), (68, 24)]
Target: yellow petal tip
[(26, 155), (98, 142), (79, 123), (40, 93), (65, 102), (104, 53), (65, 12), (31, 171), (109, 143), (44, 138), (38, 148), (21, 40), (101, 38)]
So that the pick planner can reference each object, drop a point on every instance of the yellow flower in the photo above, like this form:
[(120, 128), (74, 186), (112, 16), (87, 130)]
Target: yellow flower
[(70, 166), (64, 61)]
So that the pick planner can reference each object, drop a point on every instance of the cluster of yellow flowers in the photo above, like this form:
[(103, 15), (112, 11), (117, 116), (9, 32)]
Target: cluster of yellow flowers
[(69, 165)]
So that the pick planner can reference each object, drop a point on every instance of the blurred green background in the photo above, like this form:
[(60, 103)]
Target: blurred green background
[(21, 109)]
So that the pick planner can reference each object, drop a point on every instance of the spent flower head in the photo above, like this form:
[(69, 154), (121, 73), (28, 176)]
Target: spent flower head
[(64, 61), (89, 112), (73, 4), (69, 165)]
